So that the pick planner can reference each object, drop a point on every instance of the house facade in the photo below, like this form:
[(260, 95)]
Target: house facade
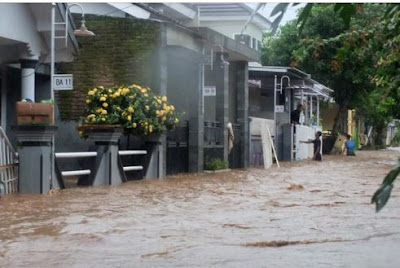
[(25, 55), (190, 58), (274, 92)]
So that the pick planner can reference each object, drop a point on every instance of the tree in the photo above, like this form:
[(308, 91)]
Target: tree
[(367, 55)]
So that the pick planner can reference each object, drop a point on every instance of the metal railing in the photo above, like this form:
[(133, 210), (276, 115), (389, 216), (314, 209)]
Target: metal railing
[(8, 166), (131, 152)]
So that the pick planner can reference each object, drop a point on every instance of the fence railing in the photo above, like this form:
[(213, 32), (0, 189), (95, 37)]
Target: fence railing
[(8, 166)]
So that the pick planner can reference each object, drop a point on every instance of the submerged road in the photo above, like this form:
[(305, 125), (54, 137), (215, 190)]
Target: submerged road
[(305, 214)]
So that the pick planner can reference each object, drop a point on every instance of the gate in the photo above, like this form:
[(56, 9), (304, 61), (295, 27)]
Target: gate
[(178, 149), (8, 166)]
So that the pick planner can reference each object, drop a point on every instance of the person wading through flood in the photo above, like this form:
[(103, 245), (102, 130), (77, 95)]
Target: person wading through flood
[(349, 146), (317, 146)]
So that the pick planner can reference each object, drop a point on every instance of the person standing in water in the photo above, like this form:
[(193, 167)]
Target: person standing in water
[(349, 146), (317, 146)]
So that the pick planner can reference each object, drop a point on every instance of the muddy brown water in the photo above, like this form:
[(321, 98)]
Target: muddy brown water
[(305, 214)]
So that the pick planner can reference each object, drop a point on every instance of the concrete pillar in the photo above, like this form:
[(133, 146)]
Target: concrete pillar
[(159, 156), (28, 78), (108, 169), (196, 125), (35, 158), (242, 77), (222, 87)]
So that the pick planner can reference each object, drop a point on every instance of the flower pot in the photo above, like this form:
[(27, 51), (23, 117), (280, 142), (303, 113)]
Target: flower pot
[(102, 133), (31, 113)]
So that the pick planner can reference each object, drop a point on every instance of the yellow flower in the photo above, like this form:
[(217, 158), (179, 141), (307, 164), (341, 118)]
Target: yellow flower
[(103, 98), (104, 111), (116, 94), (103, 119), (172, 107), (88, 101), (159, 101), (125, 91), (118, 108), (151, 128), (143, 90), (164, 98), (147, 107), (99, 110), (129, 118), (101, 87), (105, 104), (130, 109), (146, 95), (163, 118), (157, 112), (95, 90), (109, 91), (176, 120), (134, 125), (166, 108), (91, 93), (161, 113)]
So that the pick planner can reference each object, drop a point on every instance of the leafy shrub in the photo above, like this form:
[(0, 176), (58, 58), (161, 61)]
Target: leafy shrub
[(135, 108), (215, 164)]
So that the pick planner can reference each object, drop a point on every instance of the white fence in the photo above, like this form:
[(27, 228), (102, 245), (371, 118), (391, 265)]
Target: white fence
[(8, 166)]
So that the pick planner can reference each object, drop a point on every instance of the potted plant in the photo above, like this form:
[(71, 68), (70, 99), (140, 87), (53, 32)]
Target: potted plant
[(137, 110)]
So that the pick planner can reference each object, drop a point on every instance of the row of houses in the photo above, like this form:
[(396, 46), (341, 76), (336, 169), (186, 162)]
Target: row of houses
[(204, 56)]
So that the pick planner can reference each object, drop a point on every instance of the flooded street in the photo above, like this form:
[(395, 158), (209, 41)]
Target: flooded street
[(305, 214)]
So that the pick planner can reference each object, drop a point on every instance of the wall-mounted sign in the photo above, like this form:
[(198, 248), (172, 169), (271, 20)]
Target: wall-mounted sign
[(279, 108), (210, 91), (63, 82)]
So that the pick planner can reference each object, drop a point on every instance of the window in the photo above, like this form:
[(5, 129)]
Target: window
[(245, 39), (254, 44)]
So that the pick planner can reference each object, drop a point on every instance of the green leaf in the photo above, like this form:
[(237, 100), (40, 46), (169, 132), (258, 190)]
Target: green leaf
[(382, 195), (279, 8), (305, 13)]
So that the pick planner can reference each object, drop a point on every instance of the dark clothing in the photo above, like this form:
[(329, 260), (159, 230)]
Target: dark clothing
[(317, 148), (295, 116)]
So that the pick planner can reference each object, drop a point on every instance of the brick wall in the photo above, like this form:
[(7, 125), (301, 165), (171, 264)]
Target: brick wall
[(124, 51)]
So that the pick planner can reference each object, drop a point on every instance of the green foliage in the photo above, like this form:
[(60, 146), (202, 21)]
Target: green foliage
[(215, 164), (137, 109), (360, 63), (382, 195)]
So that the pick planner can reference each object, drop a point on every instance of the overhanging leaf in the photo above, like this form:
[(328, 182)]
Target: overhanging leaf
[(305, 13)]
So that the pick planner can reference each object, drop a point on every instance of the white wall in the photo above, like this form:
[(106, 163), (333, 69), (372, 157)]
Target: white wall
[(17, 23), (229, 28), (183, 39)]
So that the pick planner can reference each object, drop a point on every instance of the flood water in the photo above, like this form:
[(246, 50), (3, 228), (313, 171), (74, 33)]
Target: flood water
[(305, 214)]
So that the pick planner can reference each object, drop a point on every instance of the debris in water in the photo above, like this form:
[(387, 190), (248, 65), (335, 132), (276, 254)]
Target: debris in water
[(282, 243), (294, 186), (239, 226)]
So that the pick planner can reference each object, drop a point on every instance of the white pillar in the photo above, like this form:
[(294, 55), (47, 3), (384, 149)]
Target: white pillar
[(318, 111), (311, 113), (28, 78), (3, 97)]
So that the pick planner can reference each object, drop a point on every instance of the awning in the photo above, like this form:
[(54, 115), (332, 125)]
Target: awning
[(132, 10)]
